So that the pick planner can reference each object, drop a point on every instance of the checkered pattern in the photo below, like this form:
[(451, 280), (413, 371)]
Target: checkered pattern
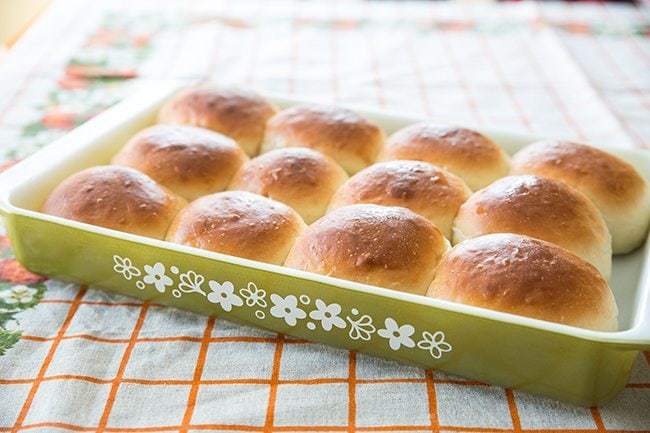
[(91, 361)]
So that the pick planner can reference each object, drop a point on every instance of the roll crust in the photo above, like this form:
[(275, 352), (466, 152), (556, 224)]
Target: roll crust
[(350, 139), (384, 246), (525, 276), (615, 187), (240, 224), (190, 161), (541, 208), (238, 114), (301, 178), (115, 197), (473, 157), (421, 187)]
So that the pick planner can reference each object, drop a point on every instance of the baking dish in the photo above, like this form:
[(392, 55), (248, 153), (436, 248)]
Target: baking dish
[(576, 365)]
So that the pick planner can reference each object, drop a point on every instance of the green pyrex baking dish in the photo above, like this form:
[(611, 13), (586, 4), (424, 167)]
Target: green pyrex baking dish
[(567, 363)]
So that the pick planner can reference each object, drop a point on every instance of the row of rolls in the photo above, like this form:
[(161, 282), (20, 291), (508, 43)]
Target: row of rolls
[(322, 189)]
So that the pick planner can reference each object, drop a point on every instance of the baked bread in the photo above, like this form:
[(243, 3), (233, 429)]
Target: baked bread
[(469, 155), (238, 114), (238, 223), (541, 208), (350, 139), (383, 246), (189, 161), (615, 187), (419, 186), (526, 276), (296, 176), (115, 197)]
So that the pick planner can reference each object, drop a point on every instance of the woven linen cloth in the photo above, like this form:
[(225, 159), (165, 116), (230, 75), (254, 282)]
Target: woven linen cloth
[(79, 359)]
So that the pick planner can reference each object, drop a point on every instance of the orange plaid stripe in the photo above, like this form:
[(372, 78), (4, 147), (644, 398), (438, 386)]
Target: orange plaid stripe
[(115, 385), (48, 359)]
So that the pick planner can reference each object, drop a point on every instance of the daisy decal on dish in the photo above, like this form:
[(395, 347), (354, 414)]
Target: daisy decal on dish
[(397, 335), (156, 276), (18, 295), (124, 266), (435, 343), (224, 295), (287, 309), (253, 295), (328, 315)]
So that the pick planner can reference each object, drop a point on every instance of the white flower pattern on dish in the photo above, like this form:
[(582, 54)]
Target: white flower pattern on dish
[(397, 335), (224, 295), (18, 295), (156, 276), (435, 343), (124, 266), (253, 295), (328, 315), (287, 309)]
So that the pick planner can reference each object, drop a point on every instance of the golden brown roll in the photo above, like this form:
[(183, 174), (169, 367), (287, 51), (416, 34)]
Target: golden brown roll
[(473, 157), (541, 208), (240, 224), (421, 187), (115, 197), (189, 161), (526, 276), (615, 187), (301, 178), (238, 114), (379, 245), (345, 136)]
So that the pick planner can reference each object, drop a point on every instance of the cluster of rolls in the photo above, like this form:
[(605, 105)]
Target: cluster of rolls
[(323, 190)]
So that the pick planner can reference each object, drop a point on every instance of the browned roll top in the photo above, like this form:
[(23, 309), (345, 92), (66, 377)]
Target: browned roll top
[(542, 208), (301, 178), (238, 114), (240, 224), (384, 246), (468, 154), (605, 175), (115, 197), (345, 136), (526, 276), (190, 161), (419, 186)]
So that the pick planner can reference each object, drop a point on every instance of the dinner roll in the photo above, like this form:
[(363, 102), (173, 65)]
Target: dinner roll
[(542, 208), (473, 157), (115, 197), (615, 187), (240, 224), (427, 190), (351, 140), (238, 114), (526, 276), (379, 245), (190, 161), (301, 178)]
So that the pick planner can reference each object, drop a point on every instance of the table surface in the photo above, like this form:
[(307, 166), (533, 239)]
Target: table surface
[(78, 359)]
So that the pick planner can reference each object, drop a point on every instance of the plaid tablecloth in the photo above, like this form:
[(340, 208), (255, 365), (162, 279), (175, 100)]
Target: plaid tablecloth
[(77, 359)]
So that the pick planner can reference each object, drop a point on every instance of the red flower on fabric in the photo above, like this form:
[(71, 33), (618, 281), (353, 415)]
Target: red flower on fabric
[(92, 71), (71, 82), (13, 272), (57, 119), (6, 164), (455, 25), (103, 37), (577, 27), (141, 40)]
